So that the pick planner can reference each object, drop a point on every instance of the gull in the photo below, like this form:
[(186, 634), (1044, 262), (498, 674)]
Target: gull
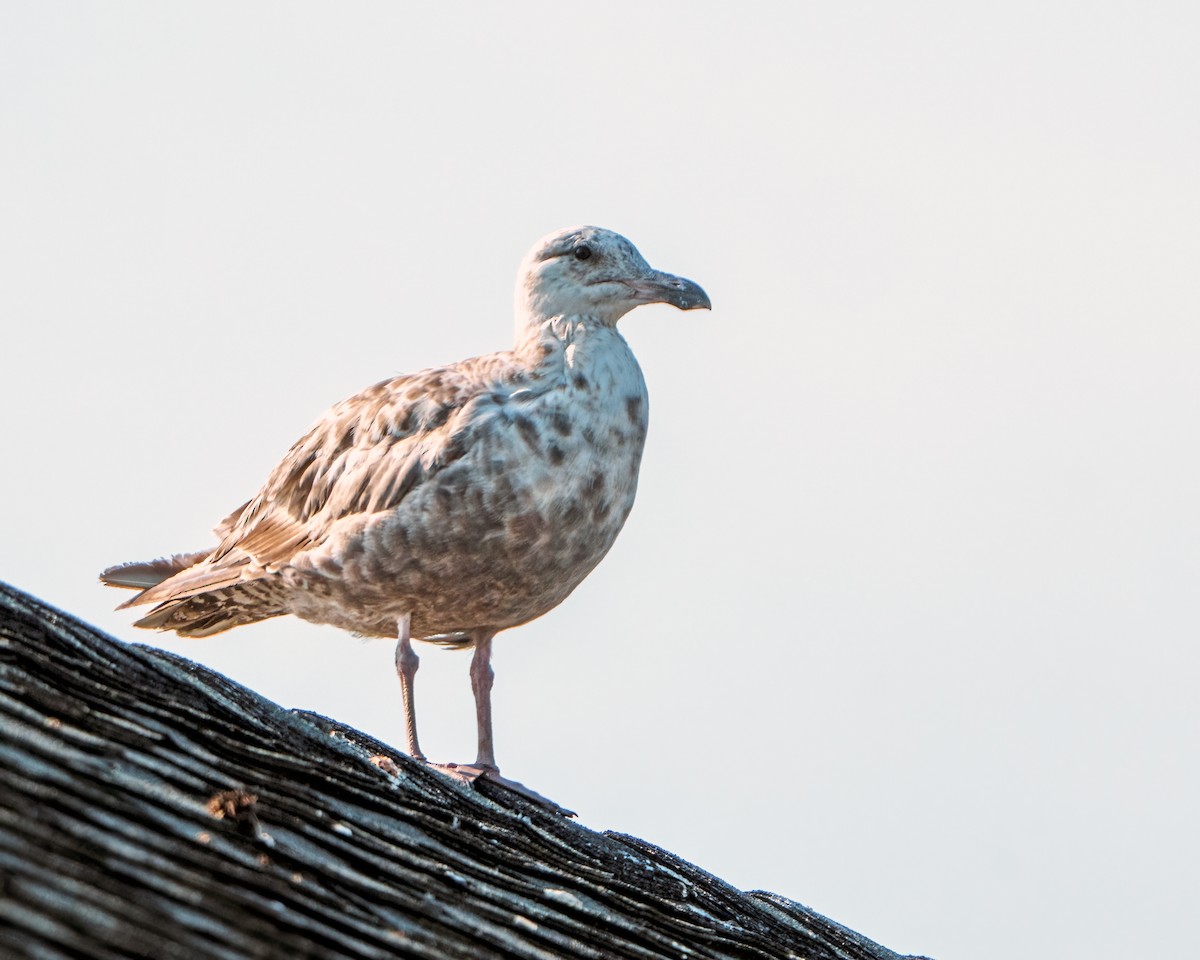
[(450, 504)]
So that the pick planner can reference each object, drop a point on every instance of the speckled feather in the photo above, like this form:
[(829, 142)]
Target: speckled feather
[(474, 496)]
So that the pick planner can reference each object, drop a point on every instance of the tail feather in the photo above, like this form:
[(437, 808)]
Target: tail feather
[(144, 574), (206, 614), (200, 578), (196, 598)]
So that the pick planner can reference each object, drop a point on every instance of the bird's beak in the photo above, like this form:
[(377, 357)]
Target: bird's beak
[(662, 287)]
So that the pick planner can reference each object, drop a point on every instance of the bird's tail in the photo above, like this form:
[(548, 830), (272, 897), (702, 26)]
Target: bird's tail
[(205, 614), (193, 598)]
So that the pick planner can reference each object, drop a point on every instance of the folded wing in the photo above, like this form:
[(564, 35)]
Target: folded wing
[(364, 456)]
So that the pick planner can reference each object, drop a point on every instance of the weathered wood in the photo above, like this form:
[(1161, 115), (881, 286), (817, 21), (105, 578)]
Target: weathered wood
[(152, 808)]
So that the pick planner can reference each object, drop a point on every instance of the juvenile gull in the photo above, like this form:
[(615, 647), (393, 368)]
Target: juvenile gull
[(453, 503)]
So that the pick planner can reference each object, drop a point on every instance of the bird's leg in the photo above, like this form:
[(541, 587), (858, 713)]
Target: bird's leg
[(481, 684), (407, 662)]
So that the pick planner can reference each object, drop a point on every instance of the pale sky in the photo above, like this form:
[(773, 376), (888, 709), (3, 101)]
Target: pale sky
[(904, 622)]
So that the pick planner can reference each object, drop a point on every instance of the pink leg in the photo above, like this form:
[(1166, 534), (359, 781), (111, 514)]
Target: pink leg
[(407, 662), (481, 684)]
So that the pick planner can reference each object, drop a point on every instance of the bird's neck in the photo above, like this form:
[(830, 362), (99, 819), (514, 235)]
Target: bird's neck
[(540, 335), (562, 344)]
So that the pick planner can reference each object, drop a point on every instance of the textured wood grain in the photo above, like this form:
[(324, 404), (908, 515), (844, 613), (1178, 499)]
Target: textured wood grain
[(152, 808)]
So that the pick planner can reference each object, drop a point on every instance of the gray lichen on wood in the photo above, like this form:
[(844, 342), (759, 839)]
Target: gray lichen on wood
[(152, 808)]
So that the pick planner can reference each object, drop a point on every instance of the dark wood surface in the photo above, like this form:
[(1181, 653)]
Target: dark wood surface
[(152, 808)]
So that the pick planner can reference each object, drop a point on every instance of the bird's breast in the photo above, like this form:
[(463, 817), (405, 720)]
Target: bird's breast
[(574, 448)]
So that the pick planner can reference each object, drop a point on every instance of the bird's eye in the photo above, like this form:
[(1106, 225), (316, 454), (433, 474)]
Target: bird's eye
[(583, 251)]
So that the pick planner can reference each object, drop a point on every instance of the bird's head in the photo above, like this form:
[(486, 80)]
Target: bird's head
[(594, 273)]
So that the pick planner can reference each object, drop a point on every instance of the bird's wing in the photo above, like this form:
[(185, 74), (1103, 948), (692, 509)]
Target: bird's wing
[(362, 457)]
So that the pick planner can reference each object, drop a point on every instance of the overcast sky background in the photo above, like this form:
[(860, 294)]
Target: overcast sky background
[(904, 623)]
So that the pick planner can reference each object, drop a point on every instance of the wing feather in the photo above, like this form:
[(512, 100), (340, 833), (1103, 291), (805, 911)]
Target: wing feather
[(364, 456)]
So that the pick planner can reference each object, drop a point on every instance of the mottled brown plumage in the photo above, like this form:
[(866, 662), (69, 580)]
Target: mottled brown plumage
[(451, 503)]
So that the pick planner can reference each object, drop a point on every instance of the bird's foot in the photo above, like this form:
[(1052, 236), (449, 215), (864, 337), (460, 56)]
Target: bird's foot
[(473, 772), (466, 772)]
